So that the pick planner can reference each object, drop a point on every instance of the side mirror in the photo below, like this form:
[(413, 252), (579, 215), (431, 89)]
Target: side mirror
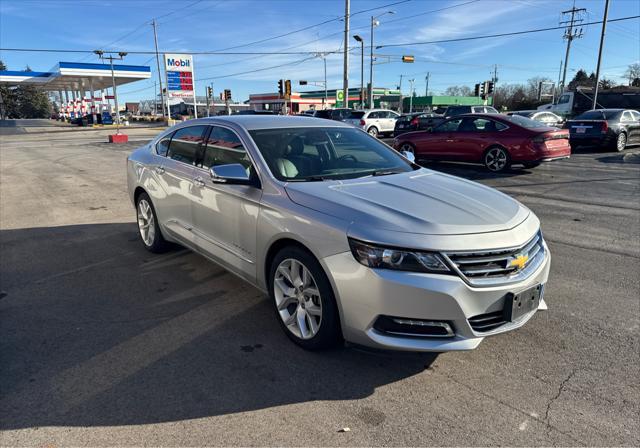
[(233, 173), (409, 155)]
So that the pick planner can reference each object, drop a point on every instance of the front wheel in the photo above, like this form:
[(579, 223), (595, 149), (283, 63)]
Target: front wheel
[(496, 159), (304, 300), (621, 142), (373, 131)]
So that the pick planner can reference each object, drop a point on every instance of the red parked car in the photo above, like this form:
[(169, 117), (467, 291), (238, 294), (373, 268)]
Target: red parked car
[(496, 141)]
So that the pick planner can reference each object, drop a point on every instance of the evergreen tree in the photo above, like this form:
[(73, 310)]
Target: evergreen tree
[(24, 101)]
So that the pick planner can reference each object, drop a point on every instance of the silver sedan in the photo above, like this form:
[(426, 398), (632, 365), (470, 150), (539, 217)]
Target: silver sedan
[(350, 239)]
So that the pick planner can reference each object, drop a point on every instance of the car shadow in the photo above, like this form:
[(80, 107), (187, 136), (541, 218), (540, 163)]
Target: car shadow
[(96, 331)]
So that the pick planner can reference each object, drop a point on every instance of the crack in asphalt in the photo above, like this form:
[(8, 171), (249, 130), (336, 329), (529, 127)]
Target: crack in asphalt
[(561, 388), (544, 421)]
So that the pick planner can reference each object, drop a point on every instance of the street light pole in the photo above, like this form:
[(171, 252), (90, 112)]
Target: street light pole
[(411, 81), (370, 100), (361, 40), (374, 23), (121, 55)]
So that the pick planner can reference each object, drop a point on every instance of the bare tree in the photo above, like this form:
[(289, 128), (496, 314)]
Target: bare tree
[(633, 73)]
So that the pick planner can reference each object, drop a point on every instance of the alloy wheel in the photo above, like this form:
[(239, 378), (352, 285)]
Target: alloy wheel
[(496, 159), (407, 147), (621, 142), (146, 222), (373, 132), (297, 298)]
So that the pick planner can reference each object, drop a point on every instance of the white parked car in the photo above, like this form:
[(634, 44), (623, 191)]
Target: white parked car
[(374, 121)]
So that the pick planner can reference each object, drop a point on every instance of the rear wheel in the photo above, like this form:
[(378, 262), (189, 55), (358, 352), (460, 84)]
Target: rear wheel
[(373, 131), (621, 142), (148, 226), (496, 159), (304, 300)]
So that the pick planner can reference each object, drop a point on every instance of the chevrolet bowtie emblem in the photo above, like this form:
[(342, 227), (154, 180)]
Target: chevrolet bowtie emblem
[(519, 262)]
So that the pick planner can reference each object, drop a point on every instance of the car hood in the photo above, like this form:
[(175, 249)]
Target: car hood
[(423, 201)]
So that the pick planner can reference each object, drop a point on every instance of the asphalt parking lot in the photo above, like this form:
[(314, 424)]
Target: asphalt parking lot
[(103, 343)]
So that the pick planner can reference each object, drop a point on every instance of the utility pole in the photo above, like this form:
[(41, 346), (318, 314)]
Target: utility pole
[(345, 73), (604, 29), (401, 107), (571, 33), (155, 39), (411, 96), (495, 82), (426, 89), (558, 87)]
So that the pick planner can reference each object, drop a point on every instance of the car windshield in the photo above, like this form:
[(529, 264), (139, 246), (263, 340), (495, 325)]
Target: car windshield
[(524, 122), (326, 153), (598, 115)]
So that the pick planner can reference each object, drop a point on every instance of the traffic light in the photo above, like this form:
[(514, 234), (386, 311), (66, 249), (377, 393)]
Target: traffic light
[(227, 94), (476, 91), (490, 85), (303, 83), (408, 59), (287, 88), (209, 91), (280, 87)]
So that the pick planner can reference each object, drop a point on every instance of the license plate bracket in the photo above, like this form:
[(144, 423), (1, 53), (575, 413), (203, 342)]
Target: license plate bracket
[(518, 304)]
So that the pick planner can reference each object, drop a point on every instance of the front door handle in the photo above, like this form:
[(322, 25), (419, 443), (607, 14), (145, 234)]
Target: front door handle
[(160, 169), (199, 181)]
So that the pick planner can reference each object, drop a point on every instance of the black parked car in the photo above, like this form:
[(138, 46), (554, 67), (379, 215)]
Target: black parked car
[(418, 121), (612, 129), (331, 114)]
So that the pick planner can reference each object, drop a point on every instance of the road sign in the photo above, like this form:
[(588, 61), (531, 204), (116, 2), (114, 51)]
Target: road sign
[(339, 98)]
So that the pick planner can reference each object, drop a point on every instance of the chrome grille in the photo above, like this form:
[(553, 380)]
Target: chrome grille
[(486, 268)]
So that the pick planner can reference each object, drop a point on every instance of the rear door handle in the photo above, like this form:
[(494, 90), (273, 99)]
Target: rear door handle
[(199, 181), (160, 169)]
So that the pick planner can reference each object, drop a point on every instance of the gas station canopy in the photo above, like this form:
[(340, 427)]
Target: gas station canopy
[(77, 76)]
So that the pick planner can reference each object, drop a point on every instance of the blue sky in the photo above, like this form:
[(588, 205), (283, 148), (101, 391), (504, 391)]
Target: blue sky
[(218, 24)]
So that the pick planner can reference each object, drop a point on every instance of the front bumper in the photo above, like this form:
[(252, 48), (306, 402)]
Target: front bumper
[(364, 294)]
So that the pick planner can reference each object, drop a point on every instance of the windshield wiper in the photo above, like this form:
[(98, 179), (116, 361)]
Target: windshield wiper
[(384, 172), (308, 179)]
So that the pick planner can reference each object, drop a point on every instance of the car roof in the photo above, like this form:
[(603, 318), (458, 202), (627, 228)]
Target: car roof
[(251, 122)]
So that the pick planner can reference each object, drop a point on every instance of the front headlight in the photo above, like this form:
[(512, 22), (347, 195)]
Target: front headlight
[(397, 259)]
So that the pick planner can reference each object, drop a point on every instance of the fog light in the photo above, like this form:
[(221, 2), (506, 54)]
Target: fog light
[(400, 326)]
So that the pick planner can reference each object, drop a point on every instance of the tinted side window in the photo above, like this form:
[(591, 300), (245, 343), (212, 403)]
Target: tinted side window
[(163, 145), (224, 147), (373, 115), (448, 126), (186, 143), (484, 125)]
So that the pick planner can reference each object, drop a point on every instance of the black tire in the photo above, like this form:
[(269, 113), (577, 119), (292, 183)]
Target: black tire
[(621, 142), (373, 131), (329, 333), (530, 165), (490, 155), (157, 244)]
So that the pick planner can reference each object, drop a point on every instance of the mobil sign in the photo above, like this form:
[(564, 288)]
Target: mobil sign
[(179, 70)]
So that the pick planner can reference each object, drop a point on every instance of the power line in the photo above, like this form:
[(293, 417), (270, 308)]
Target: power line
[(259, 69), (311, 26), (248, 53), (513, 33)]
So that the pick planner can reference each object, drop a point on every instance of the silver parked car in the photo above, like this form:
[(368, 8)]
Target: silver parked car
[(375, 121), (348, 237)]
